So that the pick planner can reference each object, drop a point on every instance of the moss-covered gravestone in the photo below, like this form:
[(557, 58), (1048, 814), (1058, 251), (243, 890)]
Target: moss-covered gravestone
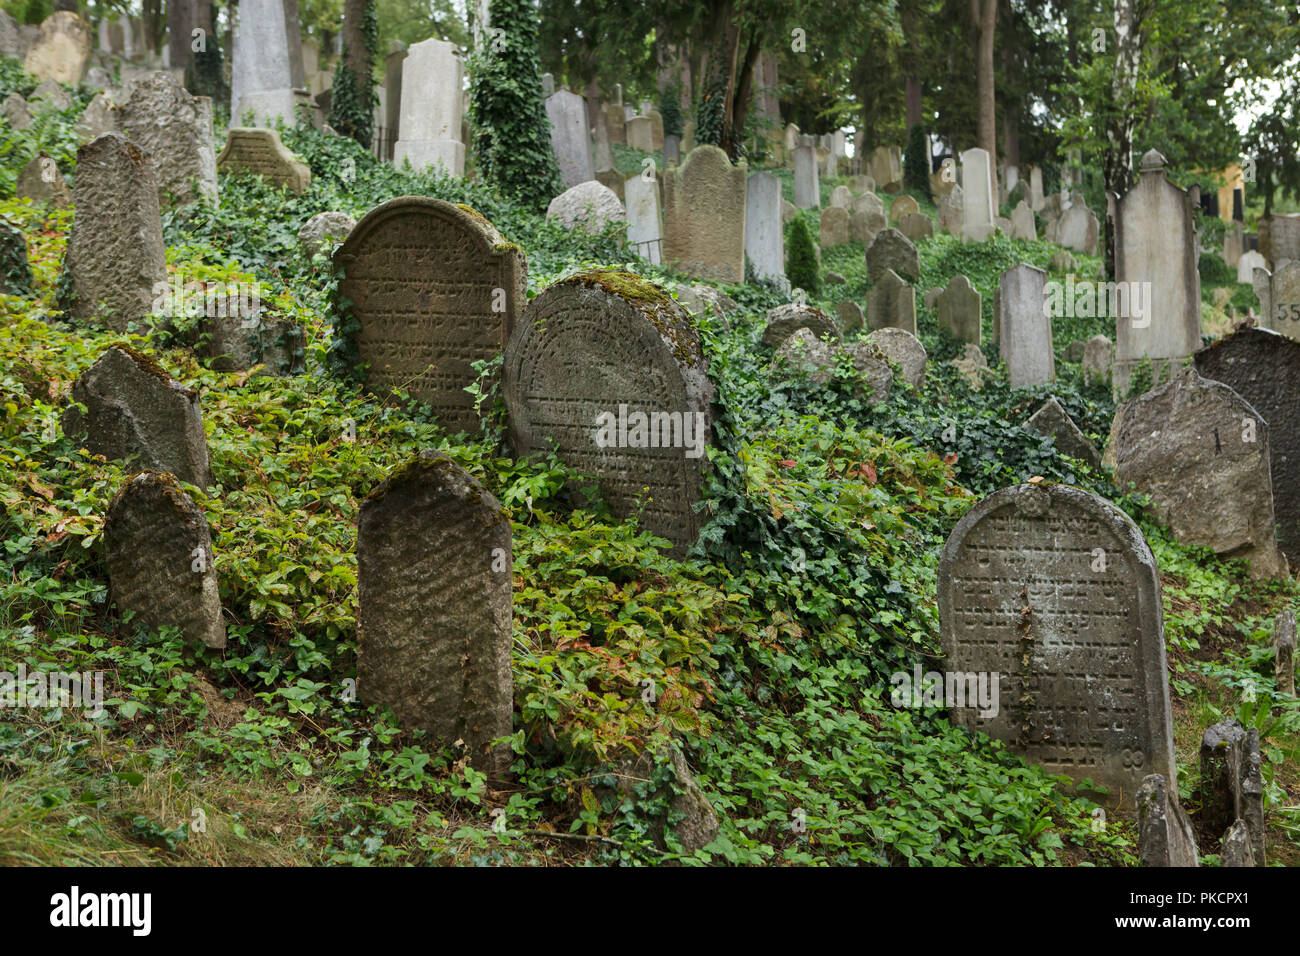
[(430, 288), (433, 620), (609, 368), (1054, 589), (160, 561), (135, 412)]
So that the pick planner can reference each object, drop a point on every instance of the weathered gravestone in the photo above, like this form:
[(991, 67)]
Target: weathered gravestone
[(570, 136), (62, 49), (434, 579), (645, 227), (1077, 229), (42, 182), (49, 95), (891, 250), (865, 226), (1098, 355), (807, 194), (137, 413), (917, 226), (1055, 590), (704, 216), (1024, 329), (949, 211), (1236, 849), (1165, 836), (784, 320), (834, 227), (842, 196), (891, 304), (1201, 453), (1232, 784), (1263, 367), (960, 309), (432, 107), (764, 240), (1053, 421), (323, 231), (1284, 648), (978, 208), (1279, 298), (16, 112), (887, 167), (903, 347), (850, 316), (1279, 236), (616, 123), (15, 272), (100, 117), (588, 206), (639, 134), (902, 206), (1247, 264), (266, 64), (818, 359), (609, 367), (433, 288), (175, 129), (259, 152), (1022, 222), (1155, 244), (115, 252), (11, 38), (160, 562)]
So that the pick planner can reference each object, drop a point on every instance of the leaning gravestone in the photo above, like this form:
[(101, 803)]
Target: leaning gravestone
[(160, 562), (891, 304), (100, 117), (1156, 246), (901, 207), (1263, 367), (115, 252), (807, 194), (704, 216), (62, 49), (434, 579), (49, 95), (784, 320), (1201, 453), (15, 111), (259, 152), (175, 129), (15, 272), (645, 227), (570, 137), (1055, 590), (1053, 421), (1024, 327), (42, 182), (892, 250), (764, 242), (433, 288), (610, 368), (834, 226), (137, 413), (960, 309)]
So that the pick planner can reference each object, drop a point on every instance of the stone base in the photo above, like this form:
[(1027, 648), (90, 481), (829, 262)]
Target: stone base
[(266, 105), (431, 154)]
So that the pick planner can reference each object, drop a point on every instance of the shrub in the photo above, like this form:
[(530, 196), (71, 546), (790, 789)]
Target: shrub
[(801, 265)]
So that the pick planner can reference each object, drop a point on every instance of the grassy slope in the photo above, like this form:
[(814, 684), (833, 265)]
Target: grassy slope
[(769, 651)]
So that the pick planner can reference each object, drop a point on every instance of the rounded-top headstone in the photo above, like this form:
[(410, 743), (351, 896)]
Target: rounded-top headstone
[(590, 206), (784, 320), (609, 367), (1055, 590)]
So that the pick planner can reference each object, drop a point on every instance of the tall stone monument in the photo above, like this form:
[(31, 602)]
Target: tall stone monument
[(1024, 326), (570, 136), (764, 240), (978, 209), (266, 66), (431, 109)]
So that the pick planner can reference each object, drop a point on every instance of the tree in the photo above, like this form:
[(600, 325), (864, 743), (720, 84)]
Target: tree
[(352, 99), (984, 16), (801, 265)]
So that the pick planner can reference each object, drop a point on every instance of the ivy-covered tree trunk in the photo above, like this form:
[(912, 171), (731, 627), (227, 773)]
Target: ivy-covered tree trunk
[(352, 100)]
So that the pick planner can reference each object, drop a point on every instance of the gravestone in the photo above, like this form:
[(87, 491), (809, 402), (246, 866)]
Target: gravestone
[(434, 288), (588, 206), (784, 320), (950, 211), (610, 367), (892, 250), (1263, 367), (548, 84), (1284, 648), (15, 272), (1247, 264), (901, 346), (891, 304), (978, 208), (1052, 421), (842, 197), (1024, 328), (700, 299), (850, 316), (570, 136), (1236, 849), (115, 248), (603, 158), (971, 365), (1022, 223), (160, 562), (640, 134), (1035, 188), (917, 226), (1165, 835), (15, 112), (265, 341), (960, 309), (432, 107), (887, 167), (324, 231), (49, 95), (865, 226), (806, 354), (1232, 786), (1155, 244), (616, 123), (645, 230), (764, 239), (100, 117), (902, 206), (1098, 355), (41, 182), (1279, 236), (11, 38), (175, 129), (704, 216), (61, 51), (1201, 453), (138, 414), (870, 202), (434, 579), (1279, 298), (266, 65), (1054, 589), (1077, 229), (259, 152), (1234, 244), (807, 194), (656, 129), (834, 229)]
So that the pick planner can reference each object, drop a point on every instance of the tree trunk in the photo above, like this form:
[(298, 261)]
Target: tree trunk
[(984, 16), (1116, 165), (911, 67), (355, 53), (180, 21), (744, 88)]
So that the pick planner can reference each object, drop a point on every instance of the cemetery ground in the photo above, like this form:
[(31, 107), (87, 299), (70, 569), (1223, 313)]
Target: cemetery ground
[(765, 656)]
